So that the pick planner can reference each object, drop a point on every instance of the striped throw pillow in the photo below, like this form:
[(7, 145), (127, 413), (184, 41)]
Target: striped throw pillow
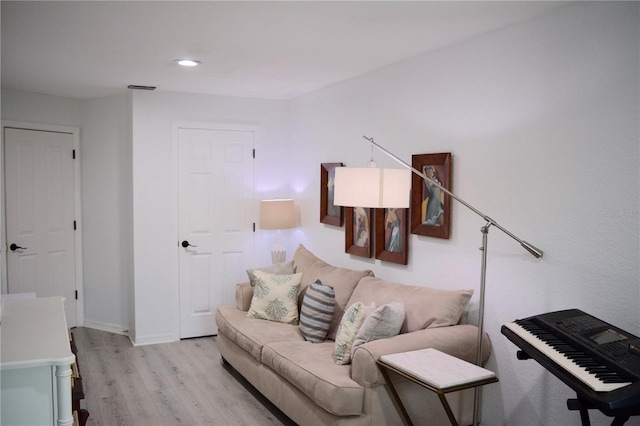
[(317, 311)]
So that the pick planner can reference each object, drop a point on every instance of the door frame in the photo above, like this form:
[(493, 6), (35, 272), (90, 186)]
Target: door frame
[(77, 208), (202, 125)]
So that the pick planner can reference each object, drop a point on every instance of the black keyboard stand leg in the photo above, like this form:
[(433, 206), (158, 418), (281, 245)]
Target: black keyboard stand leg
[(619, 420), (583, 407)]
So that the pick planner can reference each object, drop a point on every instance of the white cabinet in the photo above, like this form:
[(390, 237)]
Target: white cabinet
[(35, 363)]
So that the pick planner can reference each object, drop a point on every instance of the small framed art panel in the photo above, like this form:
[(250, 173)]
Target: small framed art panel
[(330, 214), (358, 231), (430, 206), (392, 229)]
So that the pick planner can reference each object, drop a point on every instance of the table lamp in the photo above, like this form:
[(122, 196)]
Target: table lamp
[(277, 215)]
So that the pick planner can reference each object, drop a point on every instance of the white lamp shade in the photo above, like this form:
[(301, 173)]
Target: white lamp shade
[(372, 187), (277, 214)]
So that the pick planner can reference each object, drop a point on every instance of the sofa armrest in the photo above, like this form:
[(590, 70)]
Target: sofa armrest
[(457, 340), (244, 294)]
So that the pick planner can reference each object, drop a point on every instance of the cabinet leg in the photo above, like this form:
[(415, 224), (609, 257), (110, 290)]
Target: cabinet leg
[(63, 382)]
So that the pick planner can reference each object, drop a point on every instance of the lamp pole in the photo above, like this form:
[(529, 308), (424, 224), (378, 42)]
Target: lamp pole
[(536, 252)]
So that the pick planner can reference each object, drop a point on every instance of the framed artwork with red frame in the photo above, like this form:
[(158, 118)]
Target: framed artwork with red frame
[(358, 231), (430, 206), (392, 229), (330, 214)]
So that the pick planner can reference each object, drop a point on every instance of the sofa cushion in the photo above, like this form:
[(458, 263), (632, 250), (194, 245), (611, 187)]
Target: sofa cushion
[(252, 334), (310, 368), (424, 306), (285, 268), (316, 312), (343, 282), (385, 321), (275, 297)]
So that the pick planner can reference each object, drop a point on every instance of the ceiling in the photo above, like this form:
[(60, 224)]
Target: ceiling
[(266, 49)]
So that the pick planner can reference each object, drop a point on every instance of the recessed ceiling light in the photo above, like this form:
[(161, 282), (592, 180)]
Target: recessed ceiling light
[(188, 62)]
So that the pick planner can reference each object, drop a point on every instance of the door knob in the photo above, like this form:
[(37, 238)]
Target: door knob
[(14, 247), (186, 244)]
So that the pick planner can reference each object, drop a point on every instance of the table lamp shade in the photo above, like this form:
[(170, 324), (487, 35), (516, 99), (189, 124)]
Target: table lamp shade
[(277, 214), (372, 187)]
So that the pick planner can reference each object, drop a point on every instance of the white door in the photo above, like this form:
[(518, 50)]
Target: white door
[(39, 188), (215, 191)]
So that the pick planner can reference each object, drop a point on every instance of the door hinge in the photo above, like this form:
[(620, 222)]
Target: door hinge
[(254, 227), (74, 154), (254, 153), (76, 294)]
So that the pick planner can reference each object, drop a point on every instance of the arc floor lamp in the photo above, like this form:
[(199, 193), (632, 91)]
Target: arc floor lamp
[(391, 188)]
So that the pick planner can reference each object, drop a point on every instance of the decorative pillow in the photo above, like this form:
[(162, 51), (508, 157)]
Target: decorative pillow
[(351, 321), (285, 268), (317, 311), (385, 321), (342, 280), (275, 297)]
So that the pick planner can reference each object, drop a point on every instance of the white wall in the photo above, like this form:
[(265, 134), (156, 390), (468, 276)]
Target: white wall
[(155, 198), (40, 109), (106, 194), (145, 304), (542, 120), (107, 212)]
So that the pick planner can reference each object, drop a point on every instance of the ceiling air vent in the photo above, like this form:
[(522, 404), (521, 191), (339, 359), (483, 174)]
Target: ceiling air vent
[(138, 87)]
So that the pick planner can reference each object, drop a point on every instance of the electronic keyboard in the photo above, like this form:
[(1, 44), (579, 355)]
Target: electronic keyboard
[(598, 360)]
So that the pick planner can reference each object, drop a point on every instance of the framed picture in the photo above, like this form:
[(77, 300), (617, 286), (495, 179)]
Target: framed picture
[(430, 206), (358, 231), (329, 213), (392, 229)]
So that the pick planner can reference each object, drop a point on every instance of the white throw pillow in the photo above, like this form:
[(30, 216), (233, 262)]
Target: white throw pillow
[(275, 297), (385, 321)]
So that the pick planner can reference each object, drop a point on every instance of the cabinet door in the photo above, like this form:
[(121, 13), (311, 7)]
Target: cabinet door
[(27, 397)]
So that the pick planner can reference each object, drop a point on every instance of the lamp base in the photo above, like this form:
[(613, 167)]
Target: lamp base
[(278, 253)]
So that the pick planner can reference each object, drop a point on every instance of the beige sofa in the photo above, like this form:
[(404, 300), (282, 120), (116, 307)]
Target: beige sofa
[(303, 380)]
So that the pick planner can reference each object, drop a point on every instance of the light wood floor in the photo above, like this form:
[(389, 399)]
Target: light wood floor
[(181, 383)]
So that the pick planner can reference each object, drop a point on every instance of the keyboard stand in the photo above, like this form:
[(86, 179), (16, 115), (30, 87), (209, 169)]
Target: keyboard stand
[(619, 418)]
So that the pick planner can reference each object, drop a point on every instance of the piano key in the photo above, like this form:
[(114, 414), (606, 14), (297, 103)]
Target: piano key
[(582, 374)]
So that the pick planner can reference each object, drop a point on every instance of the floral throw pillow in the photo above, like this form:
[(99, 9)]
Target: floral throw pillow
[(275, 297), (279, 268), (351, 322)]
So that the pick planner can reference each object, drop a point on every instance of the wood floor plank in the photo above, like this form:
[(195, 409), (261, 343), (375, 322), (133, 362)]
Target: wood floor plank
[(183, 384), (103, 378), (113, 411), (138, 401), (158, 383), (232, 404), (148, 369), (180, 383)]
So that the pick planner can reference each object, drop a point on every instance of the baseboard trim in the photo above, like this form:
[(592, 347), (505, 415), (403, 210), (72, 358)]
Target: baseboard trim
[(153, 340), (140, 341), (103, 326)]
